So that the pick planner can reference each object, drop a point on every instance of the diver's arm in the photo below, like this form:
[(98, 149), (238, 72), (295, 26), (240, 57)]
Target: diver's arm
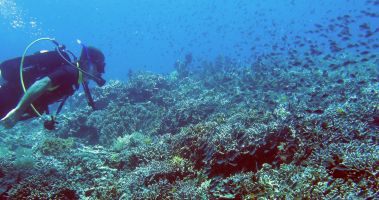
[(34, 91)]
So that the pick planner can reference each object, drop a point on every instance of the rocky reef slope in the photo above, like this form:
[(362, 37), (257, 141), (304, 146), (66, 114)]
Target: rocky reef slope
[(220, 131)]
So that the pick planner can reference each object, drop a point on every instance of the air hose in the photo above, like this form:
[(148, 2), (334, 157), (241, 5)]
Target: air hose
[(59, 51), (22, 66), (76, 65)]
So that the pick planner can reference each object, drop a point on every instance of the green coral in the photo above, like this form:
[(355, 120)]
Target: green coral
[(133, 140), (54, 146), (177, 161)]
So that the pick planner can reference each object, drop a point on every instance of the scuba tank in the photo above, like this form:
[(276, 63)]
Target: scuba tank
[(34, 67)]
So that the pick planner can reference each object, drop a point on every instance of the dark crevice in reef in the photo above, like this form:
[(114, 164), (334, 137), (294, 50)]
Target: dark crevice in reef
[(250, 158)]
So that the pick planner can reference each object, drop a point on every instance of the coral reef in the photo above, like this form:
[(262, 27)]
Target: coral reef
[(223, 131)]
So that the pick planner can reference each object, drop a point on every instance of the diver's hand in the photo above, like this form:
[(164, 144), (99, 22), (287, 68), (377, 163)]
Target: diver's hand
[(11, 118)]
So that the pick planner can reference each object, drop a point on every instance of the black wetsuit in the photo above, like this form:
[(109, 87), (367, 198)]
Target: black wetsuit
[(36, 67)]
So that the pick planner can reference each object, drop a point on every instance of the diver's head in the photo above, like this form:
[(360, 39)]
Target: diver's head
[(92, 61)]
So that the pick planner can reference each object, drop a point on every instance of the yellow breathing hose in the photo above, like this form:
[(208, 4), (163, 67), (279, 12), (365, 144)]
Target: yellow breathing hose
[(80, 79), (22, 67)]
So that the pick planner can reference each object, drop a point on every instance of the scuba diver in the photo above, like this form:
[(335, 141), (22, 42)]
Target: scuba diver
[(29, 84)]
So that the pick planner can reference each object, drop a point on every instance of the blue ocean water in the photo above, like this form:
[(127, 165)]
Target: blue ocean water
[(152, 35), (279, 101)]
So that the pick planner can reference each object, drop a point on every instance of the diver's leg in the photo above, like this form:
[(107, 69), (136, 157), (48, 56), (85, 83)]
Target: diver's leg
[(3, 104), (3, 100), (7, 99)]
